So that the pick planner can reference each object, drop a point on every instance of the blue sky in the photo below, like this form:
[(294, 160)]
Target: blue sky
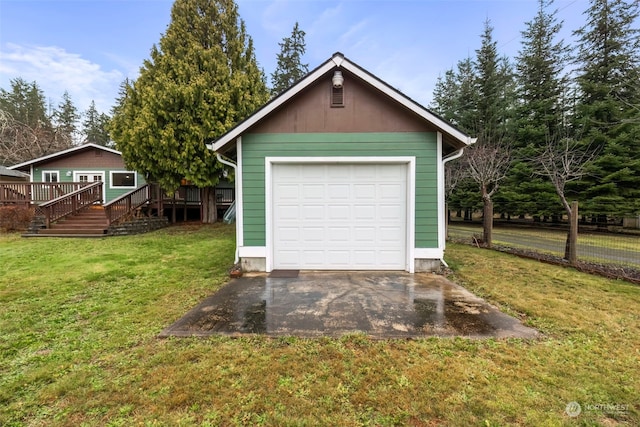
[(88, 47)]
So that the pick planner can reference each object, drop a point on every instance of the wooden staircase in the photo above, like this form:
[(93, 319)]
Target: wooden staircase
[(89, 222)]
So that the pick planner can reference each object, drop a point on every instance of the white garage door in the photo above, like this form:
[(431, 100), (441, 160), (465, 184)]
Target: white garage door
[(339, 216)]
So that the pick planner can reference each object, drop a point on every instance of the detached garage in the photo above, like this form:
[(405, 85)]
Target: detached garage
[(340, 172)]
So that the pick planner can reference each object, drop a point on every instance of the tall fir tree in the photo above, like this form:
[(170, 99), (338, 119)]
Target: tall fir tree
[(200, 81), (65, 119), (290, 68), (490, 158), (541, 112), (608, 59), (479, 98), (25, 102), (26, 130), (94, 126)]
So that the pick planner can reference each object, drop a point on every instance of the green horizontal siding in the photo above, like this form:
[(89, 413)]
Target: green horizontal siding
[(110, 193), (423, 146)]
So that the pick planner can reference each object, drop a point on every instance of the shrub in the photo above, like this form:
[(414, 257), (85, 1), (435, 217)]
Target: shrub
[(15, 218)]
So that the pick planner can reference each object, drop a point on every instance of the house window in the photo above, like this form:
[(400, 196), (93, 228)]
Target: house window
[(50, 176), (123, 179)]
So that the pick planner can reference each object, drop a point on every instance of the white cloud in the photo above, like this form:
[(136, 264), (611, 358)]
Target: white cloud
[(55, 71)]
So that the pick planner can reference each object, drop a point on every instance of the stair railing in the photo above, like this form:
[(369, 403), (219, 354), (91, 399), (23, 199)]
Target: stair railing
[(128, 203), (71, 203)]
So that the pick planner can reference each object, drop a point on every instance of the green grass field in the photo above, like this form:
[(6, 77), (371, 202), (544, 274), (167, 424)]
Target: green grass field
[(78, 346)]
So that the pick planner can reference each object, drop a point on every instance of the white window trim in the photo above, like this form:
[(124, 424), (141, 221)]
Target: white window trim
[(104, 184), (411, 197), (119, 187), (57, 172)]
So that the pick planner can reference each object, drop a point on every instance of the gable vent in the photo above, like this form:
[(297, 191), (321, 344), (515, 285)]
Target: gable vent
[(337, 89), (337, 96)]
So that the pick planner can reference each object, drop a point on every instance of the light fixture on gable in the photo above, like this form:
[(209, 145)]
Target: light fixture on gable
[(337, 79)]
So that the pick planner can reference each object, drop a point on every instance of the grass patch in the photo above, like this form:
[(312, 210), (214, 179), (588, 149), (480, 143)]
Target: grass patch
[(79, 321)]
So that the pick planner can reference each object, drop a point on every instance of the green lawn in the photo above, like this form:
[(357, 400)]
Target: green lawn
[(78, 346)]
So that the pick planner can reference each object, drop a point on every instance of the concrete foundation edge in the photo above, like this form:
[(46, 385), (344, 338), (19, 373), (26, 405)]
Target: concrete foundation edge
[(253, 264), (260, 264)]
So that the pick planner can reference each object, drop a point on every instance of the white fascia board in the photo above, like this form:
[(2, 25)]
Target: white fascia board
[(67, 151)]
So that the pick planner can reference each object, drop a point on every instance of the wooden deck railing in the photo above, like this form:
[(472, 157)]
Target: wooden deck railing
[(35, 192), (129, 202), (225, 196), (71, 203)]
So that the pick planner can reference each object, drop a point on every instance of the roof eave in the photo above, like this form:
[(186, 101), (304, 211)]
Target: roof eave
[(338, 60), (63, 152)]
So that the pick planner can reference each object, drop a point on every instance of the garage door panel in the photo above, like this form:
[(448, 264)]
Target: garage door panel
[(364, 212), (338, 258), (313, 258), (310, 235), (338, 212), (345, 216), (339, 191), (362, 257), (289, 234), (391, 191), (364, 191), (288, 212), (389, 234), (390, 212), (313, 192), (338, 234), (313, 212), (288, 191)]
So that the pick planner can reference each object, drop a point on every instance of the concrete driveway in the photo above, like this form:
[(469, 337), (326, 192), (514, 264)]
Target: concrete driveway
[(379, 304)]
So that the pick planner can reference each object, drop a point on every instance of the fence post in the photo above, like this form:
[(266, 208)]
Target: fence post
[(573, 234)]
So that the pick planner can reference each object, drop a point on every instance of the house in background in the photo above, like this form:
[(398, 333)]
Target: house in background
[(92, 162), (8, 175), (340, 172), (84, 163)]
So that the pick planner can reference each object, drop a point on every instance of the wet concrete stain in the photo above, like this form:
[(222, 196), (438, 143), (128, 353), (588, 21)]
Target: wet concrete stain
[(379, 304)]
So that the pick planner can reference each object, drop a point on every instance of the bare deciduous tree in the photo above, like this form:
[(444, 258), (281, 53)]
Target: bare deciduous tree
[(488, 165), (20, 142), (563, 160)]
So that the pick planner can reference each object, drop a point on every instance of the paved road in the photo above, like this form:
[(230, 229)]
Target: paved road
[(586, 251)]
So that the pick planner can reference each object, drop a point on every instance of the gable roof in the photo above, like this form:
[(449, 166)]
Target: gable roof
[(65, 152), (453, 135)]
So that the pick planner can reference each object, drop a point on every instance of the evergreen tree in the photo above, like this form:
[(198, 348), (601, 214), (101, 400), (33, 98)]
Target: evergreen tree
[(94, 126), (200, 81), (66, 120), (26, 131), (25, 103), (608, 59), (490, 158), (479, 98), (290, 68), (541, 112)]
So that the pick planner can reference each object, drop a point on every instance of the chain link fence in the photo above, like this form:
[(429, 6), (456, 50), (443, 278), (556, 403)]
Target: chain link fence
[(614, 249)]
